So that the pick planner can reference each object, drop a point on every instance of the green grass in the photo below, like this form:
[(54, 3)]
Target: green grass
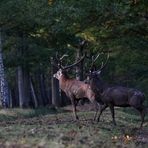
[(48, 127)]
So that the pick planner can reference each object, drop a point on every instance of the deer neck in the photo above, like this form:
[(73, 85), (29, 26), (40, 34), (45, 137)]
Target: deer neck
[(63, 82), (98, 85)]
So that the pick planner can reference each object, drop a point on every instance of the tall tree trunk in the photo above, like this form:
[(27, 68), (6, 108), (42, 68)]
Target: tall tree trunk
[(23, 74), (56, 93), (38, 88), (4, 92), (21, 87), (79, 54), (27, 89), (15, 91), (48, 86), (10, 103), (34, 97), (43, 88), (79, 67)]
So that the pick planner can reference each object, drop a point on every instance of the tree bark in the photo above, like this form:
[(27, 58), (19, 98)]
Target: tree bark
[(48, 85), (23, 75), (38, 88), (43, 88), (4, 92), (20, 87), (10, 102), (79, 67), (23, 87), (33, 94), (27, 89), (56, 93)]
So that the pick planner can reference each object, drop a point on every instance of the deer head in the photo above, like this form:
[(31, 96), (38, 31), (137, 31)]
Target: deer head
[(93, 72), (62, 69)]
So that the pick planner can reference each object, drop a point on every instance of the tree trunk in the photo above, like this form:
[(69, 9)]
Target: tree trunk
[(15, 91), (21, 87), (48, 85), (43, 88), (33, 94), (4, 92), (79, 67), (23, 74), (10, 103), (38, 88), (56, 93), (27, 89)]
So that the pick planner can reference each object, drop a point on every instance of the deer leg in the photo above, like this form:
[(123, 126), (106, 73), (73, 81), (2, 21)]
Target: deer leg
[(142, 117), (76, 102), (142, 113), (74, 108), (101, 110), (95, 103), (95, 116), (113, 113), (96, 111)]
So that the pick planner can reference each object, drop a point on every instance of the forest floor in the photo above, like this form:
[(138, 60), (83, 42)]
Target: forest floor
[(54, 128)]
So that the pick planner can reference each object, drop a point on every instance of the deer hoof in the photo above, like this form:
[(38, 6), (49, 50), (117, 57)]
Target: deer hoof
[(77, 118), (94, 119)]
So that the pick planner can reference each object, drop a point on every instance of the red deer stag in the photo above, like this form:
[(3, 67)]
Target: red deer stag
[(113, 96), (74, 89)]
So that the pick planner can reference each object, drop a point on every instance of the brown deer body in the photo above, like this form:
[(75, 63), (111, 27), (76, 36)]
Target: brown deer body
[(113, 96), (74, 89)]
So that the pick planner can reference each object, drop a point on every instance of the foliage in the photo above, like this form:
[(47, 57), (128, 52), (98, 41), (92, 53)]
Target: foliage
[(50, 26)]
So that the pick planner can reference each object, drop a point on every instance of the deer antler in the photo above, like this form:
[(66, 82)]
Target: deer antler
[(103, 65), (59, 60), (76, 63), (93, 67), (94, 60), (64, 55)]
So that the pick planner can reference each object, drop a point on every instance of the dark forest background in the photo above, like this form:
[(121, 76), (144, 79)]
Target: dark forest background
[(33, 31)]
